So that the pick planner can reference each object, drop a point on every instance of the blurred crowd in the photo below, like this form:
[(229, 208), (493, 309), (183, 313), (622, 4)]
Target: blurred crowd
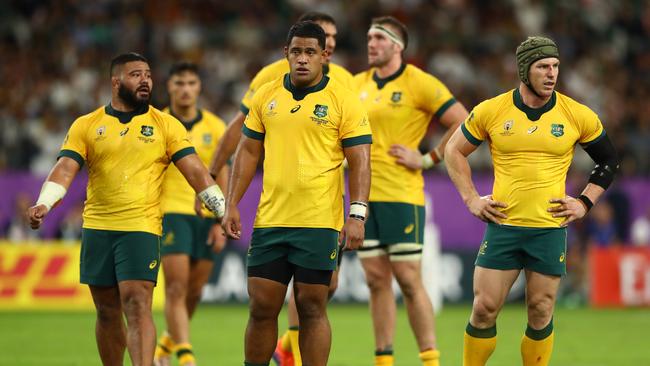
[(55, 56)]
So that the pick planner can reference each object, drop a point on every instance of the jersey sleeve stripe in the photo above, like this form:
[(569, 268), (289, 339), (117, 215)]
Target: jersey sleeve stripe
[(443, 108), (72, 155), (589, 143), (252, 134), (243, 109), (357, 140), (469, 136), (183, 153)]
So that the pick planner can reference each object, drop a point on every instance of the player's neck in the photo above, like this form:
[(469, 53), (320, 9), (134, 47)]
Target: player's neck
[(119, 105), (531, 99), (184, 113), (307, 85), (389, 68)]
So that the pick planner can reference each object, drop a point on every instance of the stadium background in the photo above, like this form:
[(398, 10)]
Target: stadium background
[(54, 67)]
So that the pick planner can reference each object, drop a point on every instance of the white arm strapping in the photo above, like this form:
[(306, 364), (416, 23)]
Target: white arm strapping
[(51, 193), (213, 199)]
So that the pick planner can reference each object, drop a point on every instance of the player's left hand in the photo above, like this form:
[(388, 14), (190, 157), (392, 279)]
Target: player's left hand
[(216, 238), (353, 233), (405, 156), (568, 207)]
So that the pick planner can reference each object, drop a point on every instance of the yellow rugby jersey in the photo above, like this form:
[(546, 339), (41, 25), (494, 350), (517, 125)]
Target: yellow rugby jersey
[(204, 133), (304, 132), (400, 108), (279, 68), (531, 151), (127, 154)]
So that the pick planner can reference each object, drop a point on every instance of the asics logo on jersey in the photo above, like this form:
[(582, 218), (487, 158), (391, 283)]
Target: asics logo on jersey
[(409, 229), (153, 264), (333, 255), (562, 257), (122, 133), (295, 109), (532, 129)]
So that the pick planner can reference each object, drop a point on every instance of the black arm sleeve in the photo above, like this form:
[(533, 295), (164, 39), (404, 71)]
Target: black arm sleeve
[(603, 153)]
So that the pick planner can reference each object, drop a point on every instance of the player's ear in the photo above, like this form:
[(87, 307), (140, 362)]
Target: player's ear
[(286, 52)]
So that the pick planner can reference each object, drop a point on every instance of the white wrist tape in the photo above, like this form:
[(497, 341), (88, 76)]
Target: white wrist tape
[(212, 198), (427, 161), (51, 193), (358, 210)]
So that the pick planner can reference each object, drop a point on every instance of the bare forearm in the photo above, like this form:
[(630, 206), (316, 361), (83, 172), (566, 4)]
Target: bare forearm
[(228, 144), (593, 192), (222, 178), (63, 172), (359, 176), (461, 175), (194, 172), (243, 171)]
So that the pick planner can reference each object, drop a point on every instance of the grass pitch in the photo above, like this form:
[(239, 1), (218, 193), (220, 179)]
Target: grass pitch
[(584, 337)]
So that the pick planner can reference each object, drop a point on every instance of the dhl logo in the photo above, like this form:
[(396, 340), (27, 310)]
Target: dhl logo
[(43, 275)]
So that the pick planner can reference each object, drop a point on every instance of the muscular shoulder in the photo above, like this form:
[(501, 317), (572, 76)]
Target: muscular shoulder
[(269, 73), (575, 108)]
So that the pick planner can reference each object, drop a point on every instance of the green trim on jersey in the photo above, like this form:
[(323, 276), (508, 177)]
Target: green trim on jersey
[(125, 117), (300, 93), (72, 155), (252, 134), (533, 114), (357, 140), (443, 108), (243, 109), (381, 82), (183, 153), (189, 124), (587, 144), (469, 136)]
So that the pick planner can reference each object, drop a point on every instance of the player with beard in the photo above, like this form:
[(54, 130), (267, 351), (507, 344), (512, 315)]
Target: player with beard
[(306, 124), (127, 145), (401, 101)]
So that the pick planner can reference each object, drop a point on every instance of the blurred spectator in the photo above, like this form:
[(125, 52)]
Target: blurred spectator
[(641, 230), (601, 227), (18, 227), (70, 226)]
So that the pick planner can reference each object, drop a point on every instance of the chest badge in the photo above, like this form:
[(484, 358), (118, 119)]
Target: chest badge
[(396, 97), (557, 129), (207, 139), (320, 110), (146, 130)]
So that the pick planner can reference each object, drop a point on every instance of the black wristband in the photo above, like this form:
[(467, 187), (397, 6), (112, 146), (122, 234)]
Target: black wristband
[(586, 201), (357, 217)]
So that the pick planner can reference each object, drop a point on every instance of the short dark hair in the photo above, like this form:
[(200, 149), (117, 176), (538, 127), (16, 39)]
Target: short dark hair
[(391, 20), (314, 16), (307, 30), (183, 66), (120, 60)]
